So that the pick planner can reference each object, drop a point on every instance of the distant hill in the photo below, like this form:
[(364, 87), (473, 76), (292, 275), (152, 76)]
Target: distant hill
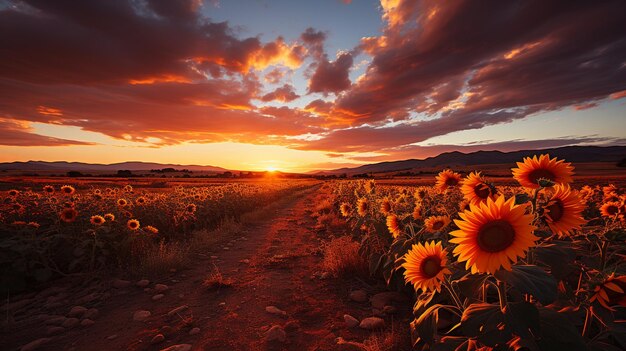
[(577, 154), (62, 166)]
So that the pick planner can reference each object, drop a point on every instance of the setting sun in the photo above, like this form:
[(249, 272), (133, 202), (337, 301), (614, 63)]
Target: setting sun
[(271, 169)]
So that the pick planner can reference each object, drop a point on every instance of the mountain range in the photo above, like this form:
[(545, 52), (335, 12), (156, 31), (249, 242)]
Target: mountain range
[(576, 154), (63, 166)]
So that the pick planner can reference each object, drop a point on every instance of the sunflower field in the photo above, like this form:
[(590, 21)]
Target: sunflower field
[(539, 266), (57, 231)]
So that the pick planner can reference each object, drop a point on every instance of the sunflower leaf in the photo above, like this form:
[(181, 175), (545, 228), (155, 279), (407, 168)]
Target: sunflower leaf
[(424, 328), (478, 317), (531, 280), (521, 198), (558, 256), (470, 284), (558, 332), (522, 318)]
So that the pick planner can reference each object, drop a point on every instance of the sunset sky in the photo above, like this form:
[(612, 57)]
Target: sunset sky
[(303, 85)]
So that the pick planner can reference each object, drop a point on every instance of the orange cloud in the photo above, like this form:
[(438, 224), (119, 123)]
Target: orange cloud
[(167, 78), (49, 111), (19, 133), (618, 95)]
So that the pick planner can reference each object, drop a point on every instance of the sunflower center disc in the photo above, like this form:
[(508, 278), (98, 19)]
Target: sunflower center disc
[(537, 174), (431, 266), (555, 211), (496, 236), (451, 181), (437, 225), (482, 190)]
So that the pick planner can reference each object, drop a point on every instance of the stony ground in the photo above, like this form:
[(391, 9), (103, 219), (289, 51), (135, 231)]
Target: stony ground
[(262, 289)]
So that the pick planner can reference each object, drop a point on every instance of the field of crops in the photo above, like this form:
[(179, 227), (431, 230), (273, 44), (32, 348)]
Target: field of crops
[(540, 266), (50, 230), (533, 262)]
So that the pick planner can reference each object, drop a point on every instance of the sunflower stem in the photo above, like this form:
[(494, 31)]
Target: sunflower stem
[(453, 294), (502, 294), (603, 253), (587, 322), (534, 201)]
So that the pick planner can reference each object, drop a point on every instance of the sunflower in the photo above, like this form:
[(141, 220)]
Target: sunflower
[(586, 192), (446, 179), (425, 266), (48, 189), (418, 212), (610, 292), (393, 225), (370, 185), (109, 217), (345, 209), (97, 191), (436, 223), (385, 206), (191, 208), (475, 189), (13, 192), (132, 224), (610, 209), (141, 200), (97, 220), (128, 188), (611, 197), (420, 193), (493, 234), (68, 215), (532, 169), (122, 202), (151, 229), (67, 189), (362, 206), (609, 189), (17, 207), (563, 212)]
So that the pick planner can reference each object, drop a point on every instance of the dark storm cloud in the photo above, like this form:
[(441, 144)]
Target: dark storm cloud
[(286, 93)]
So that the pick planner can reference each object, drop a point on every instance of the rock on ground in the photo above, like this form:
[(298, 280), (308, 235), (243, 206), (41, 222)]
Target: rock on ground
[(77, 311), (276, 333), (358, 296), (275, 310), (34, 345), (141, 316), (161, 287), (372, 323), (351, 322)]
